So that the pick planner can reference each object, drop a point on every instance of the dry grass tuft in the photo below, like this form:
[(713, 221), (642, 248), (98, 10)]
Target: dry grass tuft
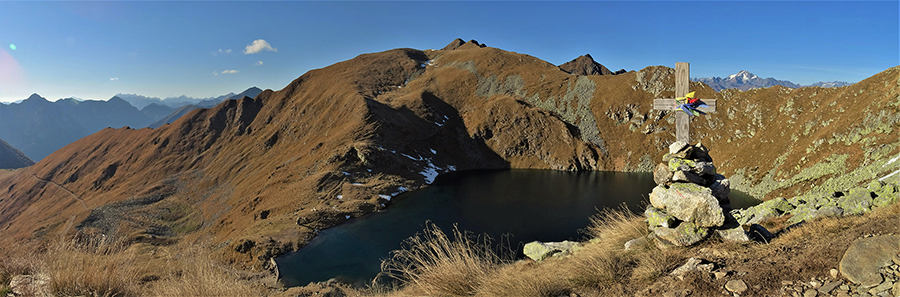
[(528, 279), (440, 265), (602, 268), (192, 272), (605, 264), (653, 263), (611, 228), (91, 267), (101, 266)]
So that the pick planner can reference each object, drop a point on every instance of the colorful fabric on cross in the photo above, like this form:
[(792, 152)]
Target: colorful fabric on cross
[(689, 104)]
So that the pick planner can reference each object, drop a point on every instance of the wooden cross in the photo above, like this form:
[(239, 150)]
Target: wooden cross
[(682, 119)]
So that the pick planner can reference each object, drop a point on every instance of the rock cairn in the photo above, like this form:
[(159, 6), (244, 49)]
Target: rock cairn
[(690, 200)]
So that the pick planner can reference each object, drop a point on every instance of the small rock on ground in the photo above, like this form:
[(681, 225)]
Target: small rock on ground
[(736, 286)]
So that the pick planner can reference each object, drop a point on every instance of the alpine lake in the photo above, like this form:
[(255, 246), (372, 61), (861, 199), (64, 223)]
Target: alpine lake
[(513, 207)]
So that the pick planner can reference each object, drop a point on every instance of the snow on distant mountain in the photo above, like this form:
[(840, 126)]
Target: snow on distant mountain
[(140, 101), (744, 80), (830, 84)]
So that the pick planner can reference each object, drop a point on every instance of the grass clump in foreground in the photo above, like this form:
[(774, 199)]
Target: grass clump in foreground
[(101, 266), (439, 265), (436, 264)]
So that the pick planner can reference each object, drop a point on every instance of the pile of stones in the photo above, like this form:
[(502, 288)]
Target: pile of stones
[(690, 201)]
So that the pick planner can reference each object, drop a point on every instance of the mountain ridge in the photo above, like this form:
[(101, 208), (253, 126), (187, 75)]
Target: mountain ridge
[(140, 101), (12, 158), (38, 126)]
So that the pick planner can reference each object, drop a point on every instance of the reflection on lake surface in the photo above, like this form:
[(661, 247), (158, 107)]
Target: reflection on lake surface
[(524, 205)]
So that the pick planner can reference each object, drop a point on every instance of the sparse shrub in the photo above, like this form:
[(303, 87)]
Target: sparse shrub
[(440, 265)]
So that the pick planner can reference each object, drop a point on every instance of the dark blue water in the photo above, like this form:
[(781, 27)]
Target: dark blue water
[(523, 205)]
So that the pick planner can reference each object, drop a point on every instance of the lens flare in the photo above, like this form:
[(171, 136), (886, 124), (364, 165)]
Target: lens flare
[(12, 76), (12, 46)]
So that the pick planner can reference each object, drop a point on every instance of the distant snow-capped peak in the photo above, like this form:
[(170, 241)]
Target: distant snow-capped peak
[(744, 75)]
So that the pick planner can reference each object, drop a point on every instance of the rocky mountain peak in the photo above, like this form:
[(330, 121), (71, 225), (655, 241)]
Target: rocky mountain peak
[(35, 96), (585, 65), (459, 43), (743, 75)]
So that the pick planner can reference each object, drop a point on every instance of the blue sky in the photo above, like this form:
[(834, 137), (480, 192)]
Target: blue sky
[(94, 50)]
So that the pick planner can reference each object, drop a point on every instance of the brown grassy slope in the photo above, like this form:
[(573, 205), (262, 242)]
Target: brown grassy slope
[(252, 169), (255, 177)]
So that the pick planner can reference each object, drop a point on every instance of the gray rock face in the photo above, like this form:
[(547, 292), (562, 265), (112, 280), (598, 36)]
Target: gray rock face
[(686, 234), (689, 203), (539, 251), (862, 259)]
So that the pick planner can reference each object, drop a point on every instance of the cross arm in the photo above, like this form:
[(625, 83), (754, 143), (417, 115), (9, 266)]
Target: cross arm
[(669, 104)]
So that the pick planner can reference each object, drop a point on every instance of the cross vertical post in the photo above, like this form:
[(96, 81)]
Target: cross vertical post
[(682, 85)]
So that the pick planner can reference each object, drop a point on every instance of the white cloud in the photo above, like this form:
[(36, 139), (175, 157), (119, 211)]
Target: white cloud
[(258, 46), (221, 51), (258, 63), (114, 79), (229, 71)]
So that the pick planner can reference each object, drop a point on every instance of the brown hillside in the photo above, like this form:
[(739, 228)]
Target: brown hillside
[(257, 176)]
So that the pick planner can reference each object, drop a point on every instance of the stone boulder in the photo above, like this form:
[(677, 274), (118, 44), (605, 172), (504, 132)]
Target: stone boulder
[(685, 234), (721, 188), (858, 201), (766, 210), (759, 233), (679, 146), (732, 232), (30, 285), (692, 264), (662, 174), (658, 218), (538, 251), (687, 177), (865, 256), (689, 203), (805, 212)]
